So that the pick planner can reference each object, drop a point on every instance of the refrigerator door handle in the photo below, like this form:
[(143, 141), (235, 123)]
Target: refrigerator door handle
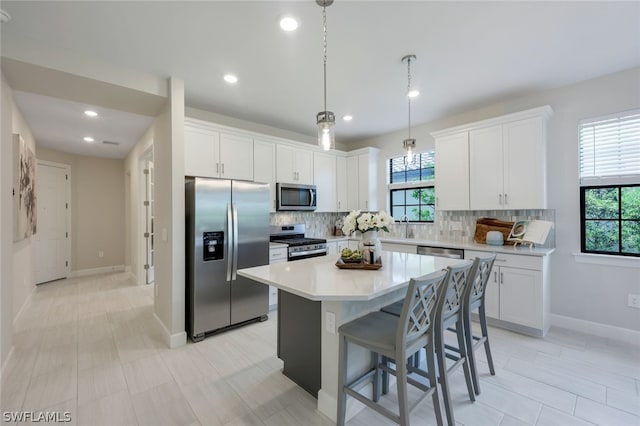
[(230, 239), (235, 241)]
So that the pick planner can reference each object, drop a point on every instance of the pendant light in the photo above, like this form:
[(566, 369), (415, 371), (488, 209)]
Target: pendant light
[(325, 119), (409, 144)]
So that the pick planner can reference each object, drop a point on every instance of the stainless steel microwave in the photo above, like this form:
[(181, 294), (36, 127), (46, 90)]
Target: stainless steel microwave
[(293, 196)]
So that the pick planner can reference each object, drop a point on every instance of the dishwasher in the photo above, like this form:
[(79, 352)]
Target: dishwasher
[(450, 253)]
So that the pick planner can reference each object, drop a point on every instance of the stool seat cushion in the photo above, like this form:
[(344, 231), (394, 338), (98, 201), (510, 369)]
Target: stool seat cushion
[(374, 330)]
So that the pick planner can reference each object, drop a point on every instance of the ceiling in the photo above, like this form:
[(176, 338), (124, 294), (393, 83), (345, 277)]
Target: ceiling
[(468, 54)]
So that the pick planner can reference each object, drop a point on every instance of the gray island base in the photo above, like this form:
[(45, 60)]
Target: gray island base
[(316, 298)]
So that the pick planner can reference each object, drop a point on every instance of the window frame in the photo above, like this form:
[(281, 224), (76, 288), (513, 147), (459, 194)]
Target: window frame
[(619, 220), (411, 185)]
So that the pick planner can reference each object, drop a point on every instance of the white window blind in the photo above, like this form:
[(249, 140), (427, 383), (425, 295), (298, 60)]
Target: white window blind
[(610, 149)]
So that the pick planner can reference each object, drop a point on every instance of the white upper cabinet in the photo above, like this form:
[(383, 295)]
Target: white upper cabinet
[(324, 178), (201, 152), (294, 165), (452, 172), (485, 168), (506, 163), (341, 184), (264, 167), (210, 153), (352, 183)]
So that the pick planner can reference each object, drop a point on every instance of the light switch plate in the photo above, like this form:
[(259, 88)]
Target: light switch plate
[(330, 322)]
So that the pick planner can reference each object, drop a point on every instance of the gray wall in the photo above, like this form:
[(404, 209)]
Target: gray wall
[(581, 291)]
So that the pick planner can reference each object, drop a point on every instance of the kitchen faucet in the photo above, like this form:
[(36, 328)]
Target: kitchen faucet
[(405, 218)]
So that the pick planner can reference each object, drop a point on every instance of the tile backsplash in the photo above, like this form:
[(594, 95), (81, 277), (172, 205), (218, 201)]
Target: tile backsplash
[(450, 226)]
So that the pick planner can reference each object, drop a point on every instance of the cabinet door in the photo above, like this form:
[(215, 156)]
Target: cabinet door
[(492, 294), (285, 172), (264, 167), (353, 197), (201, 152), (485, 168), (341, 244), (452, 172), (353, 244), (324, 177), (303, 165), (332, 248), (366, 183), (521, 296), (236, 157), (341, 184), (402, 248), (524, 164)]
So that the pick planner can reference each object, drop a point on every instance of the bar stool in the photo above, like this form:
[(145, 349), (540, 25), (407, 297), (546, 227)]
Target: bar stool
[(450, 312), (396, 338), (481, 271)]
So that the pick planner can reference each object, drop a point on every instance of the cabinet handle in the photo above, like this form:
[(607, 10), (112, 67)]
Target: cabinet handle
[(506, 200), (366, 204), (495, 277), (500, 199), (222, 168), (502, 278), (217, 168)]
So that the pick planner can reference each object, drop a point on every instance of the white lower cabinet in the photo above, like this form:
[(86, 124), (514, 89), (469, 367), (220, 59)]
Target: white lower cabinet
[(334, 248), (518, 291), (276, 255)]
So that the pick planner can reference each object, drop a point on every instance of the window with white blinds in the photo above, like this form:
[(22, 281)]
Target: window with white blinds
[(610, 149)]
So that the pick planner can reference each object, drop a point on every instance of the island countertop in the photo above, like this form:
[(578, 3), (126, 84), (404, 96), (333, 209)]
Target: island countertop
[(319, 279)]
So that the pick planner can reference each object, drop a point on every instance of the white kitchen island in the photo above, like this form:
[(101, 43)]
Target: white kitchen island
[(316, 298)]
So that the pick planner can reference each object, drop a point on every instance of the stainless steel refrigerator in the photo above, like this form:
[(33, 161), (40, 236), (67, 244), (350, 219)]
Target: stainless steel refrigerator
[(227, 228)]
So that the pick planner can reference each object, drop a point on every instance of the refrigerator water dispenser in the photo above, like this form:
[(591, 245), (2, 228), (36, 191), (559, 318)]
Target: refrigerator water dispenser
[(213, 245)]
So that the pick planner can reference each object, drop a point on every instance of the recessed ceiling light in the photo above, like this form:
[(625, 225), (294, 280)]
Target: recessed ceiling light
[(289, 23), (347, 118), (88, 139), (91, 113), (413, 93), (230, 78)]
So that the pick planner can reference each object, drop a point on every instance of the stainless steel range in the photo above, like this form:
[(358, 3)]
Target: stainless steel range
[(300, 247)]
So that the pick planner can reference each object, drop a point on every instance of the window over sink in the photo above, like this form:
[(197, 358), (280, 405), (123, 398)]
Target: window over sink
[(411, 187), (610, 184)]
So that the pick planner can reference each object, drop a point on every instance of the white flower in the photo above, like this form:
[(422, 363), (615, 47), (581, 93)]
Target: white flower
[(363, 222)]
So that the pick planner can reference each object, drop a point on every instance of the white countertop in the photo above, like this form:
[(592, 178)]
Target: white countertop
[(318, 278)]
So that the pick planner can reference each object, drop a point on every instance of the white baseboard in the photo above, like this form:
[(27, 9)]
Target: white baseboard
[(24, 305), (597, 329), (172, 340), (96, 271)]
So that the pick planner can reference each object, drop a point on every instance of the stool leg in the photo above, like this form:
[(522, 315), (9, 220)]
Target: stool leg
[(442, 377), (485, 334), (342, 378), (403, 399), (465, 364), (385, 376), (433, 380), (468, 337), (375, 357)]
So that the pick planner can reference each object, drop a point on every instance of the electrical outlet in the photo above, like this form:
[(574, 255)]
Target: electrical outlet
[(100, 253), (330, 322), (634, 300)]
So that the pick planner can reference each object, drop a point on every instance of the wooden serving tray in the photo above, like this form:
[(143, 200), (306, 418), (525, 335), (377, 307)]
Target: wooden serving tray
[(364, 266)]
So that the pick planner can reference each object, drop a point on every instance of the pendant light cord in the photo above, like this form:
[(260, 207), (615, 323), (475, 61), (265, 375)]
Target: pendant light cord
[(409, 90), (324, 24)]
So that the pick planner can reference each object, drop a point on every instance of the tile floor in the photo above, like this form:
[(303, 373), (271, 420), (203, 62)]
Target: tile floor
[(91, 347)]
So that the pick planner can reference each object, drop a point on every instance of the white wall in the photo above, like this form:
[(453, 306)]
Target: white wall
[(581, 291), (24, 250), (6, 221)]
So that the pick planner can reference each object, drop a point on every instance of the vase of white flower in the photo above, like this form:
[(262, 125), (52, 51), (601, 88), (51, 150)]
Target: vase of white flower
[(367, 225)]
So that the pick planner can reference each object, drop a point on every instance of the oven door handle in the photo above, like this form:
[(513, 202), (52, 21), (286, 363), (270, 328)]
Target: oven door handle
[(308, 252)]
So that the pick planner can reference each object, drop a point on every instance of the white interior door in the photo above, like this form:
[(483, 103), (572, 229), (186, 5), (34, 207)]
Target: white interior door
[(51, 237), (149, 225)]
